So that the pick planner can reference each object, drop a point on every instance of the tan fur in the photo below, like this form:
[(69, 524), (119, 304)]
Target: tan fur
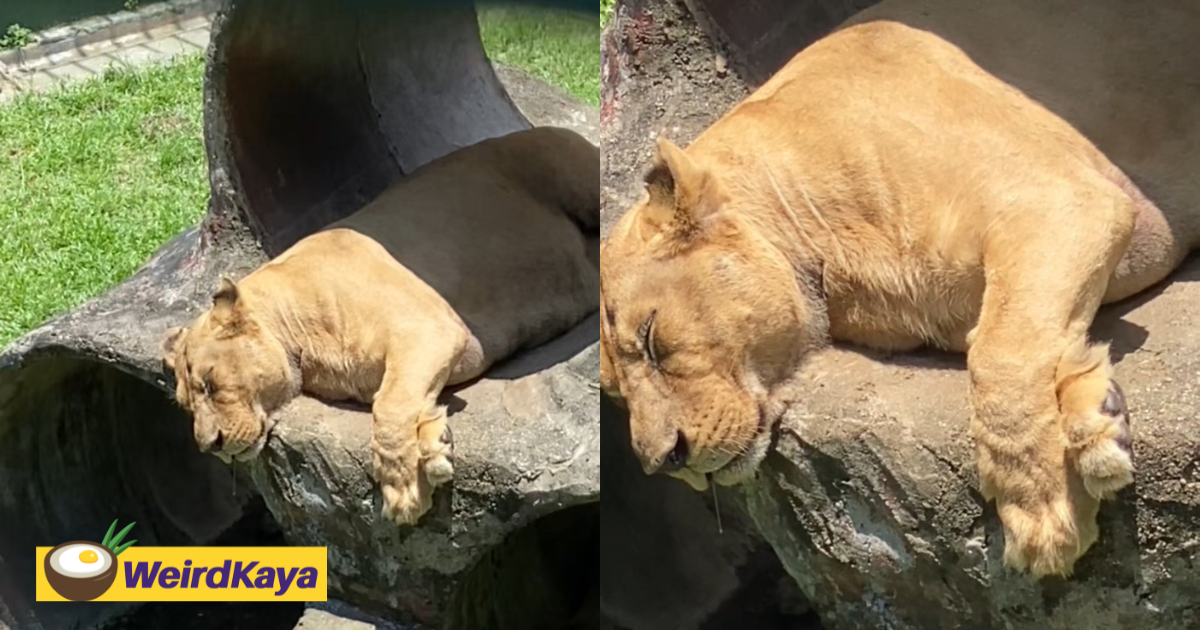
[(484, 252), (883, 189)]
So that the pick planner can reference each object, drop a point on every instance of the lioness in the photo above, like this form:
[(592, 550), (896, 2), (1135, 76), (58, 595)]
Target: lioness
[(488, 250), (883, 189)]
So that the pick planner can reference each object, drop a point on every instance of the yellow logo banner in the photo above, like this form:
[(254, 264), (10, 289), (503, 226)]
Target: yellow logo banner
[(85, 571)]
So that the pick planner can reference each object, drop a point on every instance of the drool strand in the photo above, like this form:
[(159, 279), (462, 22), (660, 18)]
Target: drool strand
[(716, 503)]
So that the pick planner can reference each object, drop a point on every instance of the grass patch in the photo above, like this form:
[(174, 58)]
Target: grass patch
[(560, 47), (93, 179), (96, 176)]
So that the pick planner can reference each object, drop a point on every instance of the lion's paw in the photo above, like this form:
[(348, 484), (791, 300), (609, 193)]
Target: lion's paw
[(438, 454), (1095, 420), (1105, 462), (405, 505), (436, 443), (405, 501), (1046, 541)]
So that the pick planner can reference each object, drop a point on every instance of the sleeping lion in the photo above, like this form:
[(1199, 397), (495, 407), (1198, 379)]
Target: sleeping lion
[(481, 253), (884, 190)]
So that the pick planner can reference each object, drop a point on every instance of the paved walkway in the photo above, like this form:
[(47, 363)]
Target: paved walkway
[(157, 44)]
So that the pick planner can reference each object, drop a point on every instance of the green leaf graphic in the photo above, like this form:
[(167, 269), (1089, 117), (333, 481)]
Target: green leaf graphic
[(116, 540), (109, 534)]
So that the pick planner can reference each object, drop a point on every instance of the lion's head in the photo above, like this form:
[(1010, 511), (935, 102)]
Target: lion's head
[(231, 374), (704, 325)]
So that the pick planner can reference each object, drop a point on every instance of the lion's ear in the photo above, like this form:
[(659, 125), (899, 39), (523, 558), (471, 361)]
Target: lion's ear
[(683, 194), (224, 300), (169, 345)]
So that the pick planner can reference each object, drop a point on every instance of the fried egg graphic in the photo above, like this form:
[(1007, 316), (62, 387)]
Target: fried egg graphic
[(80, 560)]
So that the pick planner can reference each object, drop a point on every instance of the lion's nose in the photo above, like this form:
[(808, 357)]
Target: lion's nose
[(213, 445), (677, 457)]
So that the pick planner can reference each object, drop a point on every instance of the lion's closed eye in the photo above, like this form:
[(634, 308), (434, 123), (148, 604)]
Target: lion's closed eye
[(652, 348), (204, 383)]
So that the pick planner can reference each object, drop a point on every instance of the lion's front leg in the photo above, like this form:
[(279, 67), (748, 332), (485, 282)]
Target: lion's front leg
[(411, 445), (1050, 436), (1022, 461)]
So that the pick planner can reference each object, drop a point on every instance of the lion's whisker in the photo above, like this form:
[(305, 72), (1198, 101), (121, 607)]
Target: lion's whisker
[(716, 503)]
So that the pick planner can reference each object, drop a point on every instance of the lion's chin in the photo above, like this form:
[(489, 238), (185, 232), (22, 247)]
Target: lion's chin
[(257, 447), (245, 455), (253, 450), (743, 467)]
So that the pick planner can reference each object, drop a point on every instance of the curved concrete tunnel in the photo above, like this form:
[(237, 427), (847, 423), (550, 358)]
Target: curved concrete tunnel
[(311, 108)]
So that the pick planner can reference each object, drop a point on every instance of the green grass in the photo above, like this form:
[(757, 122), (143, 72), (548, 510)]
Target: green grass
[(559, 47), (93, 178), (96, 176)]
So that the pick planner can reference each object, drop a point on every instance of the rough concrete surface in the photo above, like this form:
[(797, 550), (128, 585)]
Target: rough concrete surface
[(336, 615), (660, 73), (314, 619)]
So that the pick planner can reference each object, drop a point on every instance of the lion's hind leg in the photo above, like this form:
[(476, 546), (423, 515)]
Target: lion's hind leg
[(411, 444), (1161, 240)]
